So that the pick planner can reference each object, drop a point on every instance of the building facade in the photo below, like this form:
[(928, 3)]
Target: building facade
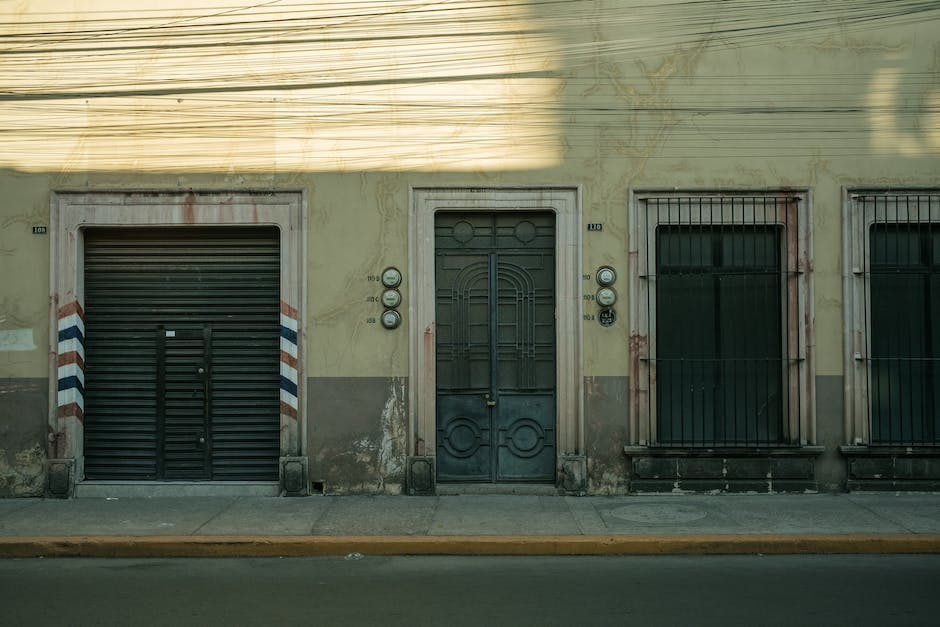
[(400, 247)]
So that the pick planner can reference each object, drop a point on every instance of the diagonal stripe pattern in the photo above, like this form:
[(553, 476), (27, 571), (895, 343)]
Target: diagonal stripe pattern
[(71, 361)]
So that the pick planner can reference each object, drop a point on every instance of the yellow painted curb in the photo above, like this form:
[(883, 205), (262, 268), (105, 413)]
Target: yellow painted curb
[(305, 546)]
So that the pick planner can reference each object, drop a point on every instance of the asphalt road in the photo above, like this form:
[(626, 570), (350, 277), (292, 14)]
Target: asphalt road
[(481, 591)]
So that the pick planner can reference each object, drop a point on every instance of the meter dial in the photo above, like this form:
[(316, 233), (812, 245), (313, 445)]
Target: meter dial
[(391, 319), (606, 276), (391, 277), (606, 297), (391, 298)]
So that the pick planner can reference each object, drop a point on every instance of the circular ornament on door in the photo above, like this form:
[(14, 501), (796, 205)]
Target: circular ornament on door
[(462, 437), (525, 232), (462, 232), (525, 438)]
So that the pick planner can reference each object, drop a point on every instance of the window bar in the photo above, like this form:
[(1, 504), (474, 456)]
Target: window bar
[(737, 236), (725, 416), (922, 278), (890, 404), (869, 216), (760, 262), (781, 368), (761, 366), (906, 270), (883, 392), (930, 413), (914, 264), (919, 410), (687, 437), (652, 372), (927, 366)]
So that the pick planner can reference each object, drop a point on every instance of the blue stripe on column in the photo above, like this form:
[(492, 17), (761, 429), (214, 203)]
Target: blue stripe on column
[(289, 334), (71, 333), (288, 386), (68, 383)]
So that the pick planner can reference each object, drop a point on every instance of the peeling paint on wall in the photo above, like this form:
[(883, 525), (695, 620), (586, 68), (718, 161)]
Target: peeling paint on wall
[(364, 449), (21, 474), (606, 413)]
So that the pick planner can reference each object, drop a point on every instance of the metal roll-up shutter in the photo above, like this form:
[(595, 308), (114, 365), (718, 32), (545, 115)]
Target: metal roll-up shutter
[(182, 353)]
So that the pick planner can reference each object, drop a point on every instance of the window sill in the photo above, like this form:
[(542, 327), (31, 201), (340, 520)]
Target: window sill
[(728, 451), (875, 450)]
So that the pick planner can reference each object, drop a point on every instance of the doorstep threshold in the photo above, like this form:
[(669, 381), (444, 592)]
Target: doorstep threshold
[(157, 489), (531, 489)]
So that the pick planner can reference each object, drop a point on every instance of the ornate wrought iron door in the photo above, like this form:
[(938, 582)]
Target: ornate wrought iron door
[(495, 321)]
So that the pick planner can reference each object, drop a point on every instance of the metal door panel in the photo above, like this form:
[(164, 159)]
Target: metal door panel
[(525, 436), (184, 402), (138, 280), (495, 323), (464, 437)]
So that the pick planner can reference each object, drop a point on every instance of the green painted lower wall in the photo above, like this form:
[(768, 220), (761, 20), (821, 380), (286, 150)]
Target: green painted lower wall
[(24, 407), (606, 416), (357, 435), (830, 433)]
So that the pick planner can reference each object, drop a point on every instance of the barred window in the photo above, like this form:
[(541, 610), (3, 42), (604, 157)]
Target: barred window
[(717, 318), (895, 250)]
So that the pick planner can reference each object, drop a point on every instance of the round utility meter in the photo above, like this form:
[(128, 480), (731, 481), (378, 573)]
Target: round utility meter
[(606, 297), (391, 277), (391, 319), (606, 276), (391, 298)]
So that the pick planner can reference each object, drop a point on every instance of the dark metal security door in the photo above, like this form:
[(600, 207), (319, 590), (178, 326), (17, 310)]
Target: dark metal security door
[(495, 321), (161, 304), (183, 402)]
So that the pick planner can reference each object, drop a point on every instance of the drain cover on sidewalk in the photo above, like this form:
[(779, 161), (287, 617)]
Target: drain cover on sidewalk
[(659, 513)]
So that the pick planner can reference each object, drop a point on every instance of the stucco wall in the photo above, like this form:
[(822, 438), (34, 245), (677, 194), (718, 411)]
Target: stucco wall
[(608, 98)]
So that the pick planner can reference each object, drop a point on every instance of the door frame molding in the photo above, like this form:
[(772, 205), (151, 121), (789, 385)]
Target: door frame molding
[(72, 211), (565, 203)]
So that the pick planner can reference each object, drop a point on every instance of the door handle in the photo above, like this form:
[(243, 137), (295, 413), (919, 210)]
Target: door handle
[(489, 401)]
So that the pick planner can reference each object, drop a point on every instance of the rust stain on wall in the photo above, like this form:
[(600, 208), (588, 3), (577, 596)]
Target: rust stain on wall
[(189, 208)]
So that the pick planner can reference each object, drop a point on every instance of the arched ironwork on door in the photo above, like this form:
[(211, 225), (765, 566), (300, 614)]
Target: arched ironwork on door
[(495, 320)]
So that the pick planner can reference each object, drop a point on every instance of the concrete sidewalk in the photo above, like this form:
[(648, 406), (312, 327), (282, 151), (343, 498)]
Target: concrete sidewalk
[(471, 524)]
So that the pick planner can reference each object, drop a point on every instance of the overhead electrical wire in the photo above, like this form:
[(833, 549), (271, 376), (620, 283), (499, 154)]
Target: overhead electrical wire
[(225, 73)]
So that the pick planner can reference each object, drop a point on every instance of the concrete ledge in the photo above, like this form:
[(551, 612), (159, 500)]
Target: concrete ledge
[(154, 489), (770, 470), (307, 546)]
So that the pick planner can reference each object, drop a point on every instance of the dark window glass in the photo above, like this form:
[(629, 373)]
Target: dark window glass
[(905, 339), (720, 364)]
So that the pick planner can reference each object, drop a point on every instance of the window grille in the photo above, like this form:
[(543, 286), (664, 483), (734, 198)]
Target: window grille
[(720, 289), (901, 292)]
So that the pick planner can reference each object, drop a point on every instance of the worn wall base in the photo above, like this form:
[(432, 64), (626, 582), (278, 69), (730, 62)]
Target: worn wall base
[(892, 468), (722, 470), (60, 478), (358, 436), (421, 476), (572, 474), (295, 476)]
